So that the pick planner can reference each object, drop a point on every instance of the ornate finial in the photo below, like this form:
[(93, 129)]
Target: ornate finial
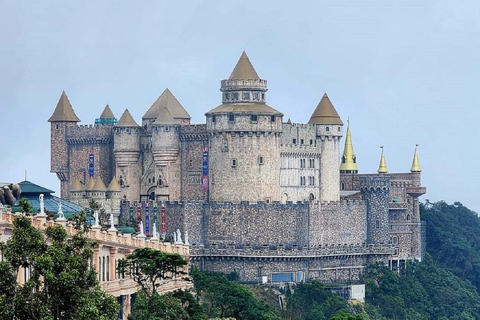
[(382, 168), (416, 164)]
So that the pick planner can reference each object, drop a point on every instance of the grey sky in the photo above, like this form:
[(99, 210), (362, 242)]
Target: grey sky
[(405, 72)]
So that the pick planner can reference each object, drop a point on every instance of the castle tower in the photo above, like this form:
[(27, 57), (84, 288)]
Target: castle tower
[(382, 168), (166, 100), (375, 193), (113, 198), (165, 150), (126, 150), (77, 191), (348, 166), (329, 129), (62, 119), (244, 140), (106, 118)]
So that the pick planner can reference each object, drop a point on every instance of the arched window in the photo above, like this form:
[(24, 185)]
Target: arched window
[(408, 217), (311, 197), (342, 186)]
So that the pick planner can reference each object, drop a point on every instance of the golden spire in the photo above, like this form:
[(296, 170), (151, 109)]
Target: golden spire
[(416, 164), (382, 168), (349, 160)]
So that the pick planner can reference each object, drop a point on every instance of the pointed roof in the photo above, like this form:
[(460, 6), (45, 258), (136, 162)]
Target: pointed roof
[(164, 117), (325, 113), (107, 113), (416, 164), (244, 69), (90, 184), (99, 185), (349, 160), (28, 187), (114, 186), (126, 120), (382, 168), (167, 100), (64, 111), (76, 185)]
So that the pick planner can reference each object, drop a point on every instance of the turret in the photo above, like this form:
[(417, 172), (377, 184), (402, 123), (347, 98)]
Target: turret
[(77, 191), (375, 193), (329, 131), (348, 166), (244, 139), (126, 150), (106, 118), (166, 100), (62, 119), (382, 168), (113, 197)]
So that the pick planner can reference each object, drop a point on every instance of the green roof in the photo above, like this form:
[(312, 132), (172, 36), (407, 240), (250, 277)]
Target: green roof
[(32, 188)]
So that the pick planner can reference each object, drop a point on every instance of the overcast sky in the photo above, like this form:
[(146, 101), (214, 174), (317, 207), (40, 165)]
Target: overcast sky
[(404, 72)]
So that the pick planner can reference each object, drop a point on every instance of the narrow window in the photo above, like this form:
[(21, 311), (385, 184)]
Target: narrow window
[(377, 223), (342, 186), (408, 217), (294, 141), (263, 96), (214, 118), (312, 163), (153, 179), (302, 163), (311, 142), (57, 126), (260, 160), (231, 118), (311, 197), (234, 163), (254, 117), (338, 129), (255, 96), (327, 129), (272, 118), (394, 240), (235, 96), (301, 141), (108, 268), (246, 96)]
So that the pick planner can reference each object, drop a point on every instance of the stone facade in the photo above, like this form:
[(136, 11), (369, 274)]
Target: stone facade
[(247, 179)]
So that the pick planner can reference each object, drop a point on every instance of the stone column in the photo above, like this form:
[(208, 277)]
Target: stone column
[(127, 308), (113, 272), (96, 255)]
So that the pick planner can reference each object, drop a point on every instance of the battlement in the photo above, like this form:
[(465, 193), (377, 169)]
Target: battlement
[(289, 251), (300, 125), (85, 134), (374, 183), (238, 84), (194, 132)]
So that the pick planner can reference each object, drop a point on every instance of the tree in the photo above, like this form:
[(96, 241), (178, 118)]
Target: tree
[(25, 205), (151, 268), (61, 286)]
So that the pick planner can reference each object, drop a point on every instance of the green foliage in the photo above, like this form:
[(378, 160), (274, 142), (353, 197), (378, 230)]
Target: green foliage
[(222, 298), (179, 304), (313, 301), (61, 284), (150, 268), (25, 205), (422, 291), (453, 238)]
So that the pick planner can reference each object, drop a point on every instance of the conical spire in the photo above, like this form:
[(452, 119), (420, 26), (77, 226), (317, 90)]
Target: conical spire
[(167, 100), (64, 111), (99, 185), (325, 113), (349, 160), (126, 120), (244, 69), (164, 117), (382, 168), (90, 184), (416, 164), (76, 185), (107, 113), (114, 186)]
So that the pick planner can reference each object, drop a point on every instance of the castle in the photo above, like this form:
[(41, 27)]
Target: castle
[(265, 198)]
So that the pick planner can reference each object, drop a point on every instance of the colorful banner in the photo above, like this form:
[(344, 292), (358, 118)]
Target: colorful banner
[(147, 218), (164, 223), (139, 217), (91, 165), (155, 216), (205, 168)]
